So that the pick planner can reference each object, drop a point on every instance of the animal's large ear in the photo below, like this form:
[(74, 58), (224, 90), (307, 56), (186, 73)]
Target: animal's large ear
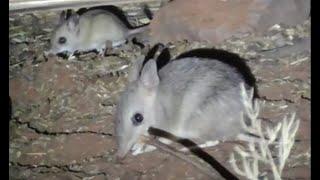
[(153, 52), (73, 22), (62, 18), (149, 75), (159, 52), (135, 69)]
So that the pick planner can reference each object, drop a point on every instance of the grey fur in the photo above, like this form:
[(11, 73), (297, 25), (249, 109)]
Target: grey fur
[(195, 98), (92, 30)]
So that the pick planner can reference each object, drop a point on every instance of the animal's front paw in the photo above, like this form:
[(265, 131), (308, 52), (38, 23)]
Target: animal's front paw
[(101, 52), (71, 57), (140, 148)]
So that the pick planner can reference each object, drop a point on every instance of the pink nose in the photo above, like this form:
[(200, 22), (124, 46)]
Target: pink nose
[(120, 155)]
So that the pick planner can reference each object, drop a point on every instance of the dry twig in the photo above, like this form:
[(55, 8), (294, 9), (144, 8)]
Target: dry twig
[(260, 151)]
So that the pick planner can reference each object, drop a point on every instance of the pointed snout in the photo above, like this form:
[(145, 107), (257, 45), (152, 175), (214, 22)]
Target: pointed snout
[(122, 151), (120, 155)]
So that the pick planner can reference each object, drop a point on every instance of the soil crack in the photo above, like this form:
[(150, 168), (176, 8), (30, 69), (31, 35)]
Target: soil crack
[(45, 132)]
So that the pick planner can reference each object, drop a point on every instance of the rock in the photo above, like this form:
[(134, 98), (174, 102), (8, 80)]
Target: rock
[(217, 20)]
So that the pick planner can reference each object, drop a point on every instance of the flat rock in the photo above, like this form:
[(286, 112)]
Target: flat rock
[(217, 20)]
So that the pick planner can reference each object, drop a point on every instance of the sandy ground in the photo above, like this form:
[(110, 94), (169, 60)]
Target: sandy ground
[(62, 123)]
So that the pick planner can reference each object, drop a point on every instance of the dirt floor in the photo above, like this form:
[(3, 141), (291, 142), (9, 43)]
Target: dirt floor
[(62, 122)]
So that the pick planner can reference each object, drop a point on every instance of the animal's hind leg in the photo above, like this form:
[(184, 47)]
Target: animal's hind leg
[(104, 48), (109, 47), (204, 145)]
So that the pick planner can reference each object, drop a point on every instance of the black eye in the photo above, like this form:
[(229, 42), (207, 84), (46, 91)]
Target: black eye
[(62, 40), (137, 119)]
